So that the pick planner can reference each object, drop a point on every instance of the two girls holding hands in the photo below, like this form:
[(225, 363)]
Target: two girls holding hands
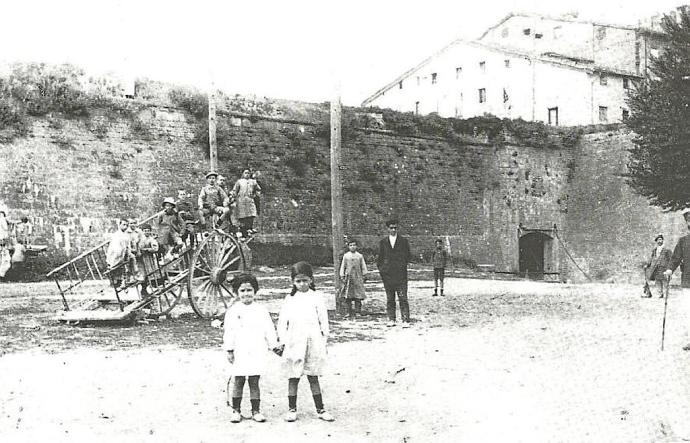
[(303, 332)]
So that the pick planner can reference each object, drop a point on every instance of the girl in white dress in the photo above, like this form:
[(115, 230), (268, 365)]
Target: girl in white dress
[(249, 335), (303, 330)]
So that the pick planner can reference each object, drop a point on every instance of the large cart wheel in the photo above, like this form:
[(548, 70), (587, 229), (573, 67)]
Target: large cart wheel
[(217, 259)]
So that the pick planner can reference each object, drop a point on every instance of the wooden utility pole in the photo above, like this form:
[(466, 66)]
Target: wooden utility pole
[(213, 146), (336, 196)]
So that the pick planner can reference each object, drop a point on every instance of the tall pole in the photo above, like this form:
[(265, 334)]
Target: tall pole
[(336, 196), (213, 146)]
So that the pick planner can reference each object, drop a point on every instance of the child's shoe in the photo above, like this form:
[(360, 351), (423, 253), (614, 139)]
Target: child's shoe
[(442, 294), (435, 294), (258, 417), (291, 415), (325, 415), (235, 416)]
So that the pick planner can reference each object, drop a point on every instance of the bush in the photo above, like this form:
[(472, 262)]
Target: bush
[(191, 101)]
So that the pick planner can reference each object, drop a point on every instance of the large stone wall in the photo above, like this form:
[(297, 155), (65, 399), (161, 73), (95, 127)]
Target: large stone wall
[(73, 178), (611, 230)]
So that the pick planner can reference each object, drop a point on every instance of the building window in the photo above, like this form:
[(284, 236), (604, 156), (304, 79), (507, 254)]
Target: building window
[(603, 114), (458, 71), (434, 78), (482, 67), (416, 108), (482, 95), (400, 84), (527, 31), (507, 63), (553, 116), (626, 114), (538, 36), (626, 83), (504, 32), (603, 80)]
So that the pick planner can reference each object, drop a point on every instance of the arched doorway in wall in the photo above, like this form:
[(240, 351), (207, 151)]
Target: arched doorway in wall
[(534, 254)]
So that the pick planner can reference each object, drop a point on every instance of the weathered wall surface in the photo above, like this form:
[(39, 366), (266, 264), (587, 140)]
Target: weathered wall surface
[(73, 178), (611, 230)]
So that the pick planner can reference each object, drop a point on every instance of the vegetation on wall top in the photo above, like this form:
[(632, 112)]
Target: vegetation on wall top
[(39, 89), (465, 131)]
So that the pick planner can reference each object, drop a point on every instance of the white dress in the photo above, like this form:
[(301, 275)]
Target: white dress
[(250, 333), (303, 329)]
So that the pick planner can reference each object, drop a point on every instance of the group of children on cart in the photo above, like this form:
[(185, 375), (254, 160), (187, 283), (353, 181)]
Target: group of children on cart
[(132, 249), (249, 337)]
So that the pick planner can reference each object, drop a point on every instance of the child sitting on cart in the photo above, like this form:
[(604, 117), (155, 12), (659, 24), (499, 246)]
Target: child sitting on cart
[(171, 228), (213, 200)]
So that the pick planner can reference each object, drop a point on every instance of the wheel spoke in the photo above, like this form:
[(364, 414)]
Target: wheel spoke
[(211, 299), (227, 255), (233, 261), (201, 278), (209, 267), (223, 298)]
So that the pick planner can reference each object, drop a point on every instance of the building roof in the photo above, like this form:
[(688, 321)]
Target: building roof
[(568, 20), (552, 58)]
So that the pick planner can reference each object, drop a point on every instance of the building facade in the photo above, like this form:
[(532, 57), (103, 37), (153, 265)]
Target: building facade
[(558, 71)]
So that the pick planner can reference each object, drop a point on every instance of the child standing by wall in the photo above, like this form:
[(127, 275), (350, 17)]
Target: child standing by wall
[(249, 335), (439, 258), (353, 271), (303, 330)]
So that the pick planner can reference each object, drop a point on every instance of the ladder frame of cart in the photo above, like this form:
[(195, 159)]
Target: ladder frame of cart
[(203, 267)]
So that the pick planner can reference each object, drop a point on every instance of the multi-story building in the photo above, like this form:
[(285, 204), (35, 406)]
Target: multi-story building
[(561, 71)]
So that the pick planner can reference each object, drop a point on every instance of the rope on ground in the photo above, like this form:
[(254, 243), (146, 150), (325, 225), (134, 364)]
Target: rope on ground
[(570, 256)]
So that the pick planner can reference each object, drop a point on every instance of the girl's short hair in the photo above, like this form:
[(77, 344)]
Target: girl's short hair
[(302, 268), (145, 226), (352, 240), (244, 278)]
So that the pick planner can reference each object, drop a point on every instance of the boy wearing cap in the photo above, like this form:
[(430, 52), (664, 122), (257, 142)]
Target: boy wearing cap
[(212, 200), (171, 227), (657, 264)]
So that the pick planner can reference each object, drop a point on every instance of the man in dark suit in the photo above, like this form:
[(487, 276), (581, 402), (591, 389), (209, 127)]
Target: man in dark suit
[(394, 254), (657, 264)]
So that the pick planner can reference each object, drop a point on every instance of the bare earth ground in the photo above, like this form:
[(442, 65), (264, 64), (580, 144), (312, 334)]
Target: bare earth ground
[(492, 361)]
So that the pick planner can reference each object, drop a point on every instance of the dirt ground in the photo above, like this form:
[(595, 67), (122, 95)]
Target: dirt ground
[(492, 361)]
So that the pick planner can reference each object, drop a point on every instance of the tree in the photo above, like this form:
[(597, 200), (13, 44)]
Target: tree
[(659, 164)]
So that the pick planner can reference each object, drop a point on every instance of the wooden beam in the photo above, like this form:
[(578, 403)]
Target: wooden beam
[(336, 196)]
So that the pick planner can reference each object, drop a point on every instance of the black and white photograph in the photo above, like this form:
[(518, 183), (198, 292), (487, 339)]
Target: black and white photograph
[(361, 221)]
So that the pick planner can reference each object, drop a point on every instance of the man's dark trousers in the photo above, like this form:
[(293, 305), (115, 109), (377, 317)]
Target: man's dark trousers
[(400, 288)]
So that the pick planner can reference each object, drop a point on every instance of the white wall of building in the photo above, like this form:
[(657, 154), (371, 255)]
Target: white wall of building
[(530, 92)]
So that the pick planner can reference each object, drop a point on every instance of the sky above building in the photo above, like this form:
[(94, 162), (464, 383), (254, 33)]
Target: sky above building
[(298, 49)]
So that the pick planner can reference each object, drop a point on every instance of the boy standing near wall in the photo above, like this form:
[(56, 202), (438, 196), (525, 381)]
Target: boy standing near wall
[(439, 258)]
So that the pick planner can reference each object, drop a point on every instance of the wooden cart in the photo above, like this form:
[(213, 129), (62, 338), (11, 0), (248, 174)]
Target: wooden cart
[(91, 291)]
